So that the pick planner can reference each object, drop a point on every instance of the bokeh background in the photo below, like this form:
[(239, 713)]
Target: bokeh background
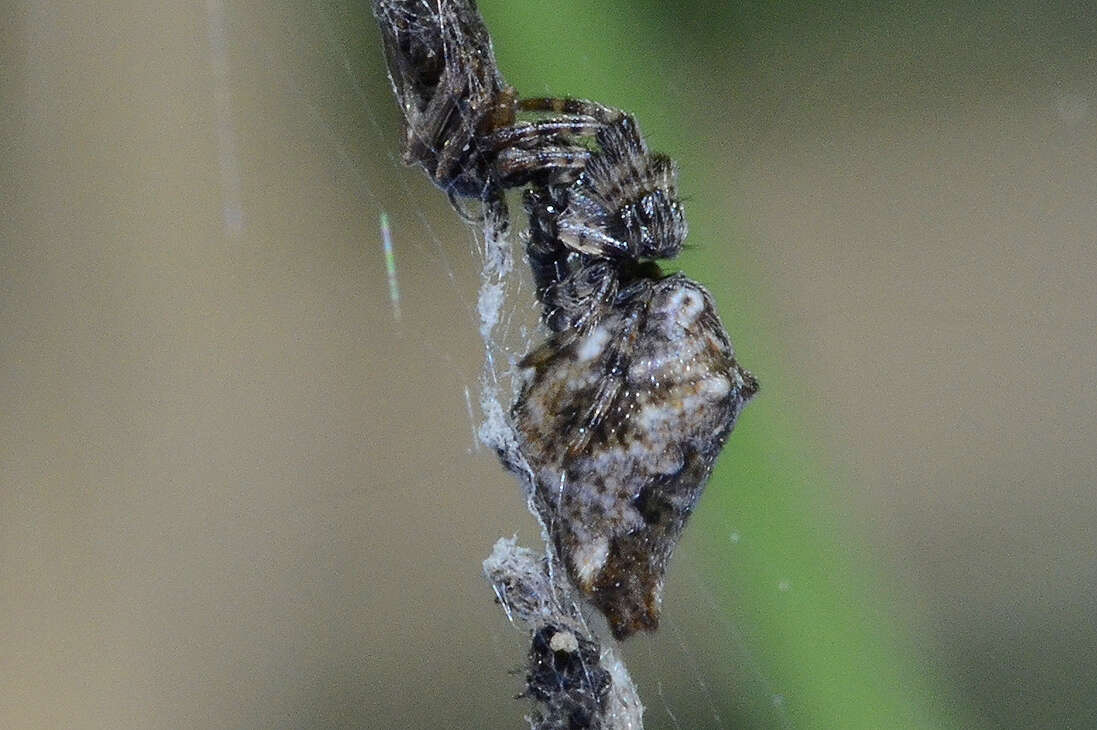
[(236, 490)]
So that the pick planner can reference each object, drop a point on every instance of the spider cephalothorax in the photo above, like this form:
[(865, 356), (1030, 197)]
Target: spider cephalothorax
[(625, 202)]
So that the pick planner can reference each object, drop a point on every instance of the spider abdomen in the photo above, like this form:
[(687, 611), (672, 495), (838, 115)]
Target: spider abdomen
[(621, 427)]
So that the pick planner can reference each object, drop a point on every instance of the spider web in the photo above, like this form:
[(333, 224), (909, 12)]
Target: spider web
[(476, 270)]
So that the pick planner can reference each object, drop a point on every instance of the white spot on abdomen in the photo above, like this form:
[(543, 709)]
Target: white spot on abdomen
[(589, 559), (593, 344)]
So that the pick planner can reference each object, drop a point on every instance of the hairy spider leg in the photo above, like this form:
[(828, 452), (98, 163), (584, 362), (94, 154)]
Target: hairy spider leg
[(559, 163), (426, 126), (530, 134), (578, 302), (524, 152), (571, 106)]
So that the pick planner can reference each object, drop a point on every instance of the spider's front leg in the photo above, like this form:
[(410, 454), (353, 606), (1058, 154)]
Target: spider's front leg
[(571, 107), (549, 163), (530, 135), (547, 151)]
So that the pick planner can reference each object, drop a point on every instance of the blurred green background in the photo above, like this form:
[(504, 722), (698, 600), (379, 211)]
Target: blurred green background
[(237, 491)]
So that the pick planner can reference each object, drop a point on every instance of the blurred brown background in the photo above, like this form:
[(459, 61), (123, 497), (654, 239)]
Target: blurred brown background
[(237, 491)]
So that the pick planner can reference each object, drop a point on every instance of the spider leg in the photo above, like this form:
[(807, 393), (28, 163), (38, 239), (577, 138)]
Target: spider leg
[(467, 212), (626, 204), (425, 128), (554, 163), (619, 340), (547, 258), (462, 153), (590, 235), (571, 107), (528, 135), (454, 151), (591, 291), (492, 206), (578, 302), (621, 141)]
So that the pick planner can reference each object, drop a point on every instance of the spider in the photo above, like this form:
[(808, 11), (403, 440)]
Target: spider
[(625, 408), (623, 411), (461, 117)]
